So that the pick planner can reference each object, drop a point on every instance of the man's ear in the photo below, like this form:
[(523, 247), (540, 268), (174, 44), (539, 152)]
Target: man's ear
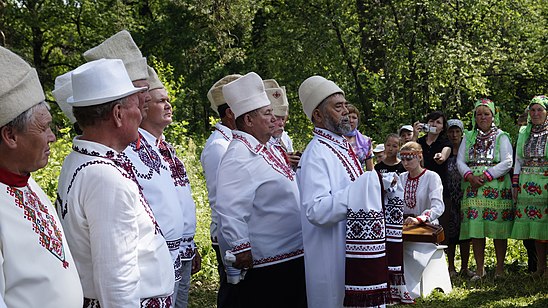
[(248, 120), (317, 117), (230, 114), (8, 136), (117, 114)]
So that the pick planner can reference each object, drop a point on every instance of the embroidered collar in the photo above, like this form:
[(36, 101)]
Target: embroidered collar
[(332, 137), (12, 179), (93, 148), (248, 140), (281, 165), (224, 131)]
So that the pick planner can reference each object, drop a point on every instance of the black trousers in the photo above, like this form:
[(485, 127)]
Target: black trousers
[(278, 285), (226, 297)]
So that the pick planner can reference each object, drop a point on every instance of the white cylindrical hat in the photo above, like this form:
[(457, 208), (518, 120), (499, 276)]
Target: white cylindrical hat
[(20, 88), (62, 91), (245, 94), (278, 100), (121, 46), (215, 94), (270, 83), (314, 90), (101, 81)]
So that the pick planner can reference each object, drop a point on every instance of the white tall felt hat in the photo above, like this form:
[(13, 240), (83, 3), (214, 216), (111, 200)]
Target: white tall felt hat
[(62, 91), (20, 88), (270, 83), (121, 46), (314, 90), (278, 100), (245, 94), (153, 80), (100, 81), (215, 94)]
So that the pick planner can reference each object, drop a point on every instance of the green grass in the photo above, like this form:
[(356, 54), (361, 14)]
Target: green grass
[(516, 289)]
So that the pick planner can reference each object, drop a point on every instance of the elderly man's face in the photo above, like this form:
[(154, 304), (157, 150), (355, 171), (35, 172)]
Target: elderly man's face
[(335, 115), (33, 143), (132, 117), (262, 124), (279, 126), (159, 109), (144, 97)]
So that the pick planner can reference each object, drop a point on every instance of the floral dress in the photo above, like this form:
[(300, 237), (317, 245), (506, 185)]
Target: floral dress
[(531, 178), (486, 211)]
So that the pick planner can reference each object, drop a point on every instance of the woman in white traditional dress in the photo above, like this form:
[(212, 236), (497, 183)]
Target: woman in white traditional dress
[(423, 202)]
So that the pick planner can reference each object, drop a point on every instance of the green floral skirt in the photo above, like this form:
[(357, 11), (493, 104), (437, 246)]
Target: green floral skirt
[(487, 211), (532, 206)]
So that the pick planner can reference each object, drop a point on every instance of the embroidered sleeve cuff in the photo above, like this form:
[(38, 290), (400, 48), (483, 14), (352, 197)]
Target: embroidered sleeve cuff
[(488, 175), (466, 174), (241, 247)]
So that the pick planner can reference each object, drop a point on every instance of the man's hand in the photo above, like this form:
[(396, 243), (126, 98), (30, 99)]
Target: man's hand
[(244, 260), (294, 158), (196, 262)]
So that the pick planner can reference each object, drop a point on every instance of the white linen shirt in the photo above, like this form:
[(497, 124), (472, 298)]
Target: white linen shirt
[(120, 256), (429, 204), (214, 149), (33, 252), (284, 141), (328, 176), (171, 203), (260, 209)]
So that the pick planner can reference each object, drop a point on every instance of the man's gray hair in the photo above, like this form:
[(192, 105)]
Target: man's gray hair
[(91, 115), (21, 122)]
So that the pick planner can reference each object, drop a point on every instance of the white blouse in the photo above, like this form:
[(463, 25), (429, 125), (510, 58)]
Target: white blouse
[(423, 196)]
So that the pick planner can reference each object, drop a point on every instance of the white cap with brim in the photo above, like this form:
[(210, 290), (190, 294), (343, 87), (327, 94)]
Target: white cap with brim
[(20, 88), (405, 127), (278, 100), (245, 94), (379, 148), (121, 46), (62, 91), (215, 94), (314, 90), (101, 81)]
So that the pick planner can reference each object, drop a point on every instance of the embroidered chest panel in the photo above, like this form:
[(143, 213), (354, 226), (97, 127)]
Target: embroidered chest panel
[(43, 223), (535, 146), (176, 166), (148, 157), (410, 192), (483, 150), (348, 160)]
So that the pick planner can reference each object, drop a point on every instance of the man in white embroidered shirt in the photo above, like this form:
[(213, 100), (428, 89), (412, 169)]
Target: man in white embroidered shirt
[(259, 216), (214, 149), (36, 265), (342, 215), (122, 257)]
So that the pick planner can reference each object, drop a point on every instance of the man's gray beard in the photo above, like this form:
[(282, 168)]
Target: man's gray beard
[(340, 128)]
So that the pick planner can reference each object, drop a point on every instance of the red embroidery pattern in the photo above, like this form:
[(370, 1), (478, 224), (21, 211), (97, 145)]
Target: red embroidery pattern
[(121, 162), (43, 223), (279, 257), (148, 156), (410, 190), (353, 168), (274, 162), (224, 135), (176, 166), (242, 247)]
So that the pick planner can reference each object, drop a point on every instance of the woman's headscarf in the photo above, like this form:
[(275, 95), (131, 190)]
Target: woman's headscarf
[(526, 130)]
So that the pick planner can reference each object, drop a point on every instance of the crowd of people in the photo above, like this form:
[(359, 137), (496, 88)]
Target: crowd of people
[(321, 227)]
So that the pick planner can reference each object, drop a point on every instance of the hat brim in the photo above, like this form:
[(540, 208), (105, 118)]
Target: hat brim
[(102, 100)]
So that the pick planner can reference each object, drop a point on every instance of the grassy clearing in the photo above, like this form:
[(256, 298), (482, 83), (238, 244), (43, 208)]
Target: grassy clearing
[(517, 289)]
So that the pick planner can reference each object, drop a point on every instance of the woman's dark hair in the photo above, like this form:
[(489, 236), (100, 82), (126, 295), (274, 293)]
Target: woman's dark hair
[(436, 115)]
